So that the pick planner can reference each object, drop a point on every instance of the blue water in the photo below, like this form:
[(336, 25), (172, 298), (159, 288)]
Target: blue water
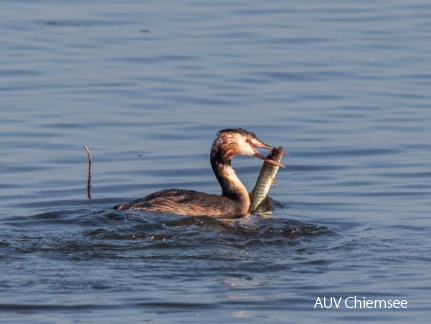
[(344, 86)]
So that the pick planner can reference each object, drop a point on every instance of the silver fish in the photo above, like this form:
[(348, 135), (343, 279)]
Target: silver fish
[(265, 179)]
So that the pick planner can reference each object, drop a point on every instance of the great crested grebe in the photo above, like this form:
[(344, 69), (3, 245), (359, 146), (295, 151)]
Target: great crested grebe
[(234, 199)]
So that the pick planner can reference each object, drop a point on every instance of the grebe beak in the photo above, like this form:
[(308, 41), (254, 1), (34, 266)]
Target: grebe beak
[(260, 156)]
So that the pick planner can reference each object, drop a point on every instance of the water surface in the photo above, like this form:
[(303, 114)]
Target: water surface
[(343, 86)]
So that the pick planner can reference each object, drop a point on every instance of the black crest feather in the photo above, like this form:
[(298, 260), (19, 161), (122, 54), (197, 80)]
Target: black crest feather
[(239, 131)]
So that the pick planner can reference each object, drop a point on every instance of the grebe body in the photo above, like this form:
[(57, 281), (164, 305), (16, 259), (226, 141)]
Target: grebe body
[(234, 200)]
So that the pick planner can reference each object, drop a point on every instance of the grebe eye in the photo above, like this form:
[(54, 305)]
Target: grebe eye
[(247, 140)]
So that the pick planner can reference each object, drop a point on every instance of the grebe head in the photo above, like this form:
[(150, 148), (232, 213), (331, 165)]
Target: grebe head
[(230, 142)]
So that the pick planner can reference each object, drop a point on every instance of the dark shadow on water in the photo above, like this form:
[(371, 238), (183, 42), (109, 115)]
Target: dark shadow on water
[(142, 225), (106, 234)]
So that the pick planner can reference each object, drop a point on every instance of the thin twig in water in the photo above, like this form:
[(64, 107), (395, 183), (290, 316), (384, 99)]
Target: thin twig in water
[(89, 172)]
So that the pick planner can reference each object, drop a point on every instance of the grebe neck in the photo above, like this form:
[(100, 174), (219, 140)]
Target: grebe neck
[(232, 187)]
